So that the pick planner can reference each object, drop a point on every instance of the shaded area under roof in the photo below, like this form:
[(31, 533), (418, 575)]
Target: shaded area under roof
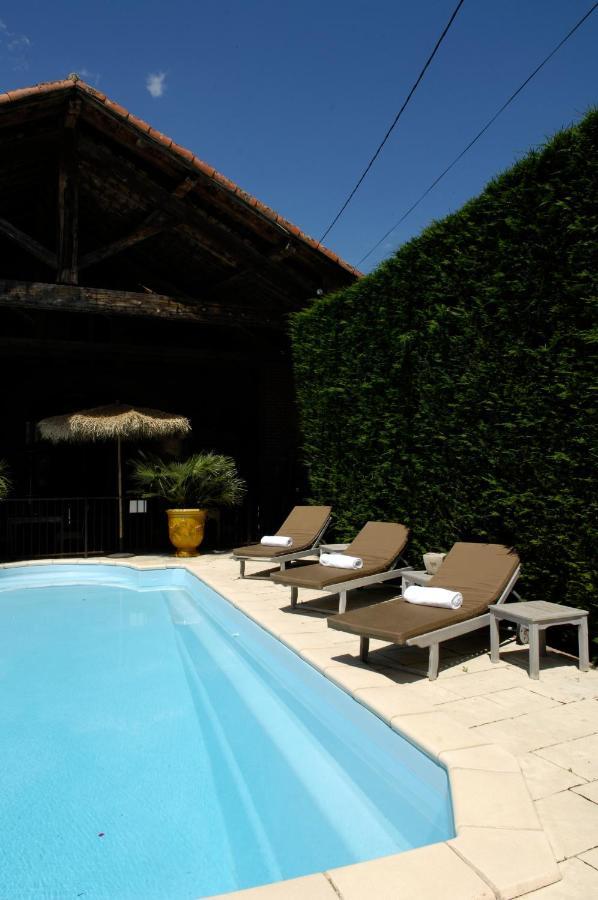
[(149, 216)]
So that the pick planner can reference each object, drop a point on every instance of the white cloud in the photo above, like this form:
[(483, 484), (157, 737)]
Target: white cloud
[(16, 47), (18, 42), (155, 83), (91, 77)]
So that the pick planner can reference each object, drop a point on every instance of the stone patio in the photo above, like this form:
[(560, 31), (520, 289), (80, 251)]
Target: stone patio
[(522, 755)]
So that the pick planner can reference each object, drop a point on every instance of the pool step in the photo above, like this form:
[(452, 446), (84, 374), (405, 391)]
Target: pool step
[(240, 814), (282, 769)]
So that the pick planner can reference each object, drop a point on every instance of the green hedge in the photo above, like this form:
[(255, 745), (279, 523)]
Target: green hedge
[(452, 388)]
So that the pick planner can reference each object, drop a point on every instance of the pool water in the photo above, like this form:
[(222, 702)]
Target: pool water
[(157, 743)]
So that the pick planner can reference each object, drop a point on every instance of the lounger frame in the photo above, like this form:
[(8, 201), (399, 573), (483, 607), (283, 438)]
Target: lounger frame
[(285, 558), (433, 639), (342, 587)]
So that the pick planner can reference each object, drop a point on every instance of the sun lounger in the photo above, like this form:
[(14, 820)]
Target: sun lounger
[(482, 573), (306, 525), (378, 544)]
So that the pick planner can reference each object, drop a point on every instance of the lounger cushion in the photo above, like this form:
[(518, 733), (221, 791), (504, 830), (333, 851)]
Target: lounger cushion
[(303, 525), (479, 571), (378, 544)]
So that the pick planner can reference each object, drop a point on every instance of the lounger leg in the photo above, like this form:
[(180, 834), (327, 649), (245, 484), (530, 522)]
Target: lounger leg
[(283, 566), (294, 592), (364, 648), (242, 566), (342, 602), (433, 660), (584, 650)]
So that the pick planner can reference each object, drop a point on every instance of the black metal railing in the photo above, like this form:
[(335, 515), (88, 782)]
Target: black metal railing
[(44, 527), (38, 527)]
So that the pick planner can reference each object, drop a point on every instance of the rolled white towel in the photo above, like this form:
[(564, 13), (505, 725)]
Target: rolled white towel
[(341, 561), (431, 596), (276, 540)]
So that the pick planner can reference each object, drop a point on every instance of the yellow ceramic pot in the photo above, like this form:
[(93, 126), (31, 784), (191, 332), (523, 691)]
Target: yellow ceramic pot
[(185, 530)]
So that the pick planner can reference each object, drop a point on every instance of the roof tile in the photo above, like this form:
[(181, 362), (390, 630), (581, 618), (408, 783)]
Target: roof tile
[(162, 138), (182, 151), (117, 108)]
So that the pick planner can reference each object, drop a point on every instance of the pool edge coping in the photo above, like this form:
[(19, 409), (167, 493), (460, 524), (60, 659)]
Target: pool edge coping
[(506, 859)]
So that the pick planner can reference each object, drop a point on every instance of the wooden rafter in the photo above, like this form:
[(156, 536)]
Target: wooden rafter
[(156, 222), (210, 231), (68, 199), (28, 243)]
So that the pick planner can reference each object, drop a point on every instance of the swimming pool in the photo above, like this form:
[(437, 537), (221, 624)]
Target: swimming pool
[(156, 743)]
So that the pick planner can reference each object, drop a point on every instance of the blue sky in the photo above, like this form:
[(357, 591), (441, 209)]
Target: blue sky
[(291, 99)]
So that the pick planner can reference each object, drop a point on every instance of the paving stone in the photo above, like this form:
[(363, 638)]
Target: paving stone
[(515, 735), (353, 678), (590, 792), (391, 701), (312, 640), (565, 722), (567, 687), (486, 682), (543, 778), (491, 800), (579, 756), (337, 654), (590, 858), (435, 732), (520, 701), (431, 691), (310, 887), (425, 874), (514, 862), (571, 823), (280, 625), (460, 664), (477, 710), (486, 758), (579, 882)]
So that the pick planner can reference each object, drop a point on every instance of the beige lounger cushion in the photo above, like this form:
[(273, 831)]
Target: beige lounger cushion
[(378, 544), (479, 571), (303, 524)]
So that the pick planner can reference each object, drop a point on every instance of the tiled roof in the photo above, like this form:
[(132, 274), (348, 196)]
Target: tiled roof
[(75, 84)]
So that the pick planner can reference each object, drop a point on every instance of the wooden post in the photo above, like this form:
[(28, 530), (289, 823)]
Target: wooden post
[(68, 200)]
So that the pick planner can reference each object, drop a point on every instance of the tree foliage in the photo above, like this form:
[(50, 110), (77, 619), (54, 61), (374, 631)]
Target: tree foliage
[(452, 388)]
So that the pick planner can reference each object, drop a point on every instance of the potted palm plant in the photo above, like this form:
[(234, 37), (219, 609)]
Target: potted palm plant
[(191, 486), (5, 482)]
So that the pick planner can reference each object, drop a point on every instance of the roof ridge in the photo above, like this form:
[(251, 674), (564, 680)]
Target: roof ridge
[(74, 83)]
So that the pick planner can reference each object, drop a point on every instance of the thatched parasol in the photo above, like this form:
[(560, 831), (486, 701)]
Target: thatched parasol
[(116, 422)]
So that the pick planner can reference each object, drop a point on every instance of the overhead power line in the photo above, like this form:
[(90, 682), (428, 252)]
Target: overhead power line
[(481, 132), (396, 119)]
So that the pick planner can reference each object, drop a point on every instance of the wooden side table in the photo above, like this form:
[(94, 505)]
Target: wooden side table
[(538, 615)]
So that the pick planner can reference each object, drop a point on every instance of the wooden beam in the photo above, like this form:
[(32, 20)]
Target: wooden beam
[(96, 351), (68, 199), (142, 233), (210, 231), (152, 225), (70, 298), (28, 243), (276, 255)]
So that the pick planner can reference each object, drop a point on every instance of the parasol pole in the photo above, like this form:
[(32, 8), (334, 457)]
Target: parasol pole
[(121, 530)]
